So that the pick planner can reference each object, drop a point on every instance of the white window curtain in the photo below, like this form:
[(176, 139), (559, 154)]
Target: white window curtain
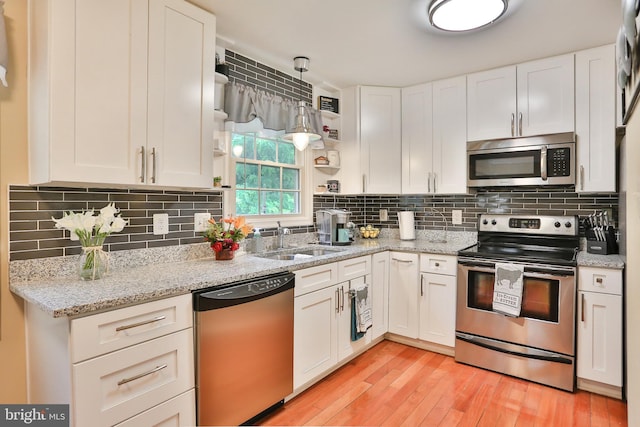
[(244, 104)]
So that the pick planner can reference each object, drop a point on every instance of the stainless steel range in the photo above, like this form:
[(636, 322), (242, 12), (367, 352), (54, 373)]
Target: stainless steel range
[(538, 343)]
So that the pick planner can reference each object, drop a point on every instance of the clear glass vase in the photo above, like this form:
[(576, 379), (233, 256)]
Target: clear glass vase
[(94, 263)]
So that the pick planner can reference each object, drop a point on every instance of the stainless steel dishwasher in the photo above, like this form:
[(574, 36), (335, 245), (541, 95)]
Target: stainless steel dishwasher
[(244, 349)]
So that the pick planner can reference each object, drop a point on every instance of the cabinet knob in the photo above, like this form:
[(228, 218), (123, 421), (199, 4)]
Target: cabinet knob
[(437, 264), (599, 280)]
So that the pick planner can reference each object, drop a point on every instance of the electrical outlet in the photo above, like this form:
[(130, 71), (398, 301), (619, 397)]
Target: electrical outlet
[(456, 216), (160, 224), (384, 215), (200, 221)]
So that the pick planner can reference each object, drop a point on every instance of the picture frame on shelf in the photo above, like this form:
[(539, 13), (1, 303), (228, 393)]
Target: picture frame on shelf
[(327, 103)]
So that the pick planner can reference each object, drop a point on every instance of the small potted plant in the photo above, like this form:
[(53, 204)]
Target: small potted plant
[(217, 181)]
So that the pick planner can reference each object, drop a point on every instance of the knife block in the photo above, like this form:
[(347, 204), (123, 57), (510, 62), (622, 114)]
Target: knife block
[(602, 247)]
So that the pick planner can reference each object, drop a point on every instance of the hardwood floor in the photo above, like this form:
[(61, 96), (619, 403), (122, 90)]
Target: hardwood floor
[(396, 385)]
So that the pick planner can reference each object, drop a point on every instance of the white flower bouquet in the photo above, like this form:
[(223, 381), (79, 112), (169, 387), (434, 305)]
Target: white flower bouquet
[(91, 230)]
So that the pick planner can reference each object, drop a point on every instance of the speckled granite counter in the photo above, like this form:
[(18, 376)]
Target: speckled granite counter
[(69, 296), (52, 285)]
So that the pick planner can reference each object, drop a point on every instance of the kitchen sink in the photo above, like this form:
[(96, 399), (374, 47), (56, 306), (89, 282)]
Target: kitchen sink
[(298, 253)]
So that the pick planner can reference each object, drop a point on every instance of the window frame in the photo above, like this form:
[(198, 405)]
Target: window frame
[(303, 162)]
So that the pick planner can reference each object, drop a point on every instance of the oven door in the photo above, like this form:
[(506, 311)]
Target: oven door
[(547, 318)]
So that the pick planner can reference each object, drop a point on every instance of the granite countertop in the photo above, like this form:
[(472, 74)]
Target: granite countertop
[(66, 295)]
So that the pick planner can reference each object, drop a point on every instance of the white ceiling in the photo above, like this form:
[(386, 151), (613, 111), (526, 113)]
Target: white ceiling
[(384, 42)]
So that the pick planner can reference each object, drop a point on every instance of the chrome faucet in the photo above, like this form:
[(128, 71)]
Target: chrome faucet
[(444, 219), (281, 232)]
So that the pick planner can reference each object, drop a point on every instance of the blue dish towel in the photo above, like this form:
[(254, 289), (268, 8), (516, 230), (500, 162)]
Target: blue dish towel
[(355, 335)]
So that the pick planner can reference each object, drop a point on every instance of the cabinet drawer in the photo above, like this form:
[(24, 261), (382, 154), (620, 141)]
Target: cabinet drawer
[(603, 280), (105, 332), (315, 278), (355, 267), (439, 264), (111, 388), (179, 411)]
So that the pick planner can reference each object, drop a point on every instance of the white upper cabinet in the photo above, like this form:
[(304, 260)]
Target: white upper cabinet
[(532, 98), (434, 137), (596, 119), (370, 150), (121, 92), (450, 136), (417, 138)]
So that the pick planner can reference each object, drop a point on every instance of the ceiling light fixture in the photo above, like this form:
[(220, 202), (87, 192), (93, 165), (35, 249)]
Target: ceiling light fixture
[(302, 132), (465, 15)]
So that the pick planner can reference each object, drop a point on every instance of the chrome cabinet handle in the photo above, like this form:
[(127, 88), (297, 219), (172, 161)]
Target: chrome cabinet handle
[(342, 298), (143, 164), (144, 374), (520, 124), (144, 322), (429, 183), (421, 286), (337, 300), (364, 187), (154, 155), (543, 163), (582, 308), (402, 260), (435, 188), (599, 280), (581, 177), (513, 124)]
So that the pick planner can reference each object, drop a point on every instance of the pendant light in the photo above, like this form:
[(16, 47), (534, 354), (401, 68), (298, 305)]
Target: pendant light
[(302, 132), (465, 15)]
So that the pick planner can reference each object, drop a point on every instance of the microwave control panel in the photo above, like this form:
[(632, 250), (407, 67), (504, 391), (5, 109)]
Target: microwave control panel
[(559, 162)]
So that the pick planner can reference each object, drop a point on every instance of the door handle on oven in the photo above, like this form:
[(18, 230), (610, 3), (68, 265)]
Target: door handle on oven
[(478, 265), (543, 163)]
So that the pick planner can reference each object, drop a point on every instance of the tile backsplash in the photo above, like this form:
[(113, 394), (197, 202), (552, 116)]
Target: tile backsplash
[(33, 235)]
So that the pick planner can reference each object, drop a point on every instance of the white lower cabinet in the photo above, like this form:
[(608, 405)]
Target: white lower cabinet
[(322, 319), (132, 365), (380, 263), (599, 326), (422, 297)]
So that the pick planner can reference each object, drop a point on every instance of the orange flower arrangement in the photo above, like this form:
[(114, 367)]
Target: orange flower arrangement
[(226, 233)]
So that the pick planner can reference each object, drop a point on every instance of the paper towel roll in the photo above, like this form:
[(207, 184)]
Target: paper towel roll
[(406, 224)]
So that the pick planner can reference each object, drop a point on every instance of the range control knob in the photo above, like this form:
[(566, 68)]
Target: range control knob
[(493, 222), (568, 224), (557, 224), (485, 222)]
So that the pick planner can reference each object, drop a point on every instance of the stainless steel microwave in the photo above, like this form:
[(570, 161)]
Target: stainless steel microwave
[(527, 161)]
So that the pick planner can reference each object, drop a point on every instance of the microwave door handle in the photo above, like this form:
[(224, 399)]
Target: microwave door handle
[(543, 163)]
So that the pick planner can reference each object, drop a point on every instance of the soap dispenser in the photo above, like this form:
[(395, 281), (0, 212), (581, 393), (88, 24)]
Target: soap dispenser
[(257, 239)]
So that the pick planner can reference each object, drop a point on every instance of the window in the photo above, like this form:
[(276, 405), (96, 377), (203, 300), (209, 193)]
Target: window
[(268, 176)]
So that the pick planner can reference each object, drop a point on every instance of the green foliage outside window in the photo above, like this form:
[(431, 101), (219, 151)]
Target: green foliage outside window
[(267, 176)]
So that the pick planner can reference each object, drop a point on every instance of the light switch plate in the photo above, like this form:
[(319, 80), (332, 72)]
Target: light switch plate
[(160, 224), (384, 215), (456, 216), (200, 221)]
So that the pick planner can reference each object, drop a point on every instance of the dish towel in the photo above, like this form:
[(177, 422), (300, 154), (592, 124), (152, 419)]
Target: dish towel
[(507, 289), (4, 51), (360, 311)]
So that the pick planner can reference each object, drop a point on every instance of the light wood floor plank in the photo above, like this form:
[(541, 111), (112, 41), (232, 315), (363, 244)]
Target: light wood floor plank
[(397, 385)]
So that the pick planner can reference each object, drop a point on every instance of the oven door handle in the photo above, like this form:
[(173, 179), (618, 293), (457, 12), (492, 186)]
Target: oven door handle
[(529, 271)]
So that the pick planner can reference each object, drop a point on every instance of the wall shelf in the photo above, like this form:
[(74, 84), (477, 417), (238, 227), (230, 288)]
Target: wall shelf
[(327, 168)]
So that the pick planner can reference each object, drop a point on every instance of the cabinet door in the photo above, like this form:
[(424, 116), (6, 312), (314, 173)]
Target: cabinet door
[(380, 283), (599, 355), (88, 82), (347, 347), (315, 332), (417, 139), (181, 94), (403, 294), (450, 136), (546, 96), (179, 411), (438, 308), (491, 104), (380, 139), (595, 119)]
